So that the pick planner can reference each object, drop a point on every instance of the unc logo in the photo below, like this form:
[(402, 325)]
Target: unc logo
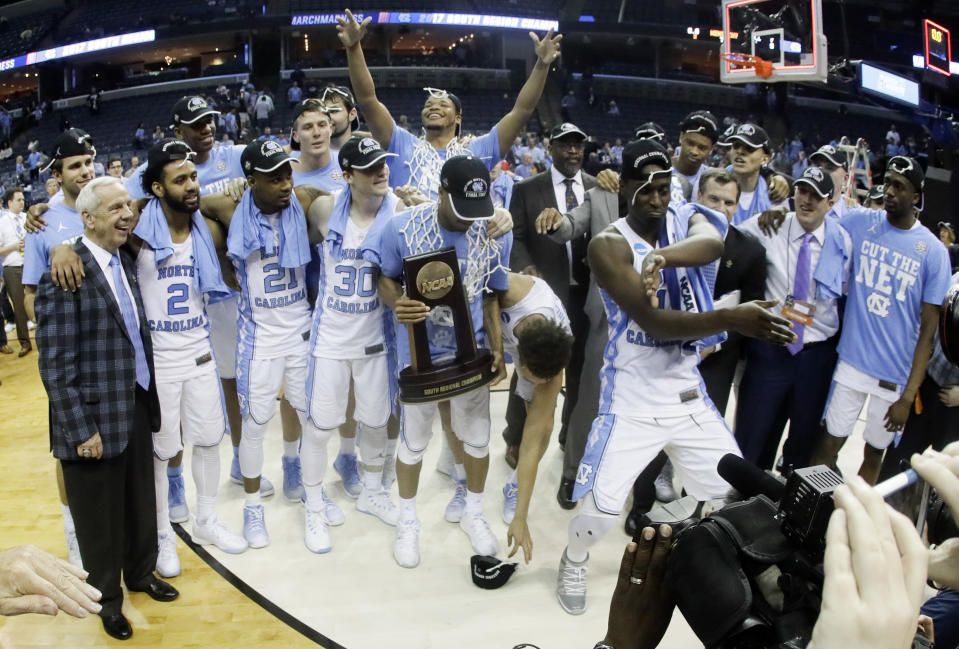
[(269, 147), (878, 304), (746, 129), (336, 175), (196, 103), (476, 188), (368, 144), (221, 166), (583, 473), (830, 149), (815, 173), (921, 247)]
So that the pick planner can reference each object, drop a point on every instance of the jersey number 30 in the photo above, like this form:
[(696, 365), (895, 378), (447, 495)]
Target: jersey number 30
[(355, 281)]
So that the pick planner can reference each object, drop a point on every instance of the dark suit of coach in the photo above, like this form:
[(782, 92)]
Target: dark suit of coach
[(96, 363), (563, 266)]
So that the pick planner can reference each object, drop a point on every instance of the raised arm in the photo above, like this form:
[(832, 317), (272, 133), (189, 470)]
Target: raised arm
[(513, 122), (611, 259), (377, 116)]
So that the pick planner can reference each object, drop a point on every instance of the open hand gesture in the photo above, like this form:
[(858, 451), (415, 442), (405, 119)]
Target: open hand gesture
[(547, 49), (349, 31)]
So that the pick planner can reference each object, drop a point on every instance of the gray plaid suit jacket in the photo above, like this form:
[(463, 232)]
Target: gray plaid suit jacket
[(87, 362)]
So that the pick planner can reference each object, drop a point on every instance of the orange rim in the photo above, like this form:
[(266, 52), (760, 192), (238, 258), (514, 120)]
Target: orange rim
[(762, 67)]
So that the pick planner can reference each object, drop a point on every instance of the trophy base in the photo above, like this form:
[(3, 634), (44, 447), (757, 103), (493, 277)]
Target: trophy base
[(446, 380)]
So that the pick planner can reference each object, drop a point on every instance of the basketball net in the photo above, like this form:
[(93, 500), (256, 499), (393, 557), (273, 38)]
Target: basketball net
[(425, 163), (422, 234)]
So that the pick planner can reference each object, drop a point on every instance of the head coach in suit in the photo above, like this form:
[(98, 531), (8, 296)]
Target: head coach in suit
[(563, 265), (96, 363)]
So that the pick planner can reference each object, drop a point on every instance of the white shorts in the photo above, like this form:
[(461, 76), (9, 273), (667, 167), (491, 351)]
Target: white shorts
[(847, 395), (469, 414), (328, 388), (259, 381), (619, 447), (193, 405), (223, 334)]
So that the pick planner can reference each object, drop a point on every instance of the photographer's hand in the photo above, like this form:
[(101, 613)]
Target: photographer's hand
[(875, 573), (941, 470), (642, 605)]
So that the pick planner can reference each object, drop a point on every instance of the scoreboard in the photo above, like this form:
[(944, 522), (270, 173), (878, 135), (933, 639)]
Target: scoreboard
[(938, 47)]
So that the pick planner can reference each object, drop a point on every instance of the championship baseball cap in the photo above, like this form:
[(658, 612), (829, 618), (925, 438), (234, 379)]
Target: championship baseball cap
[(639, 153), (830, 154), (566, 129), (263, 156), (819, 180), (466, 179), (489, 572), (650, 131), (189, 110), (751, 135), (305, 106), (912, 171), (169, 149), (346, 95), (702, 122), (73, 141), (876, 193), (361, 153), (723, 140)]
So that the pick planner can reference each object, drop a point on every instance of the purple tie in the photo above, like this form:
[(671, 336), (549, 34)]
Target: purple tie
[(801, 290)]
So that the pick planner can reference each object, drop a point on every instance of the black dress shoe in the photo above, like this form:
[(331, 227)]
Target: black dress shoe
[(117, 626), (565, 494), (156, 589), (636, 521)]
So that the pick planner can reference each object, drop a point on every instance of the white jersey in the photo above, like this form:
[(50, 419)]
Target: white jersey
[(274, 312), (173, 304), (642, 376), (539, 301), (348, 318)]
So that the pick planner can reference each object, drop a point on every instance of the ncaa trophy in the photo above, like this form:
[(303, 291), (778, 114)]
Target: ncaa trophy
[(434, 279)]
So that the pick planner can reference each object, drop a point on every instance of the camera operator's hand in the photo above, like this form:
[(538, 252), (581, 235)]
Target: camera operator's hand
[(642, 605), (875, 573), (941, 470)]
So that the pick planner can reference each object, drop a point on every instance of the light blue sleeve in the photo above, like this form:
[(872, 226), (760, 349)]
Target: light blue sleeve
[(936, 275), (390, 253), (235, 166), (402, 144), (34, 259), (134, 183), (499, 279), (486, 148)]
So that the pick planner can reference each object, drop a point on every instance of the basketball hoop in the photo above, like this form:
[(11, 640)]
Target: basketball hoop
[(763, 68)]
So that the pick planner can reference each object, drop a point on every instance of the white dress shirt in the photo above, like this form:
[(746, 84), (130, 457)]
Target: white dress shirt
[(782, 255), (103, 258), (559, 189), (11, 231)]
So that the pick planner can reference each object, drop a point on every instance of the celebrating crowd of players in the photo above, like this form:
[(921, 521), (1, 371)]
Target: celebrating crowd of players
[(266, 272)]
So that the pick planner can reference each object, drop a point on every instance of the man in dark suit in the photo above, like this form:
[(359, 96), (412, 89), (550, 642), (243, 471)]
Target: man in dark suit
[(741, 268), (96, 363), (562, 265)]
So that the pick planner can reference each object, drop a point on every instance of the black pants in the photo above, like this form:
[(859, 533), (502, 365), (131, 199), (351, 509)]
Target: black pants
[(114, 511), (516, 408), (778, 387)]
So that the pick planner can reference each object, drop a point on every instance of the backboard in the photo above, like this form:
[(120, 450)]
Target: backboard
[(786, 33)]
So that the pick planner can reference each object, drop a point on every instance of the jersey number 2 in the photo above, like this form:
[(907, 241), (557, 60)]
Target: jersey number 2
[(178, 296)]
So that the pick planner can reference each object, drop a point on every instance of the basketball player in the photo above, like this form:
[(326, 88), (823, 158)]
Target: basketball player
[(749, 154), (339, 103), (216, 166), (319, 167), (456, 220), (348, 340), (268, 244), (900, 275), (652, 396), (176, 266), (72, 166), (537, 336), (697, 137), (419, 160)]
